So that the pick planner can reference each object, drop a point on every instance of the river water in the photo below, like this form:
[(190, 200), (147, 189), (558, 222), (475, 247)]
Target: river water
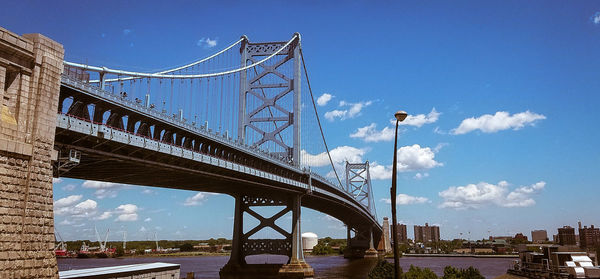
[(324, 266)]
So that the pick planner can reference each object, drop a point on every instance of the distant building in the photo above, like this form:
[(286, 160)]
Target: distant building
[(566, 236), (505, 238), (401, 233), (520, 237), (427, 233), (539, 236), (589, 237)]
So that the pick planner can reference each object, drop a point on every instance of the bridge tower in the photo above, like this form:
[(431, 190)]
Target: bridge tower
[(243, 246), (30, 69), (269, 100), (358, 184)]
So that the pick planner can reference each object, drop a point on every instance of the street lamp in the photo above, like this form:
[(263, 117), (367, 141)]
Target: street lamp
[(400, 116)]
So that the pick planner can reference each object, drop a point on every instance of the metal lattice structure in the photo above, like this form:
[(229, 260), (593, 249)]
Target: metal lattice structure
[(358, 184), (269, 117), (217, 126)]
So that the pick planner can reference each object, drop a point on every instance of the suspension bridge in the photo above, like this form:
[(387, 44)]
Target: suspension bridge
[(242, 122)]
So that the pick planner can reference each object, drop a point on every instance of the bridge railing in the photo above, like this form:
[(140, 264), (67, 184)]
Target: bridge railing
[(202, 130)]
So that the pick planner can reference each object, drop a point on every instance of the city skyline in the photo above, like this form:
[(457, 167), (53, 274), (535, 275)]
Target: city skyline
[(500, 137)]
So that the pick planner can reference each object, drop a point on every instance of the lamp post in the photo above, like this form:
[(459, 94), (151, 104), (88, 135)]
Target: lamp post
[(400, 116)]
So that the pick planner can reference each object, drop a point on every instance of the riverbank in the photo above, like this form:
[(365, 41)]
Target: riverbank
[(326, 267), (460, 256)]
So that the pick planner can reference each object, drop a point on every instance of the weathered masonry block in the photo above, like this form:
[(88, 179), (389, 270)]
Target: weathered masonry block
[(30, 69)]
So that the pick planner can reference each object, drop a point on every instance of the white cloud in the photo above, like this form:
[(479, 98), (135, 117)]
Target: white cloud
[(147, 191), (339, 155), (483, 194), (420, 176), (69, 206), (371, 134), (324, 99), (352, 110), (439, 131), (410, 158), (207, 42), (404, 199), (67, 201), (196, 199), (439, 146), (66, 222), (105, 215), (419, 119), (380, 172), (148, 219), (127, 31), (103, 189), (143, 229), (56, 180), (414, 157), (127, 212), (596, 18), (501, 120), (69, 187)]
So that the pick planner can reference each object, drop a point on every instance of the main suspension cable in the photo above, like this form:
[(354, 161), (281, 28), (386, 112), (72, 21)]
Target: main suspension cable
[(312, 97), (179, 76)]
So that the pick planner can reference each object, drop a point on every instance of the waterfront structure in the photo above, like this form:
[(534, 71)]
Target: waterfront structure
[(101, 124), (539, 236), (566, 236), (589, 237), (309, 241), (145, 270), (427, 233), (401, 233)]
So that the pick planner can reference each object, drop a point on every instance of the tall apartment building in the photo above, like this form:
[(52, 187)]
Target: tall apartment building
[(401, 233), (566, 236), (427, 233), (539, 236), (589, 237)]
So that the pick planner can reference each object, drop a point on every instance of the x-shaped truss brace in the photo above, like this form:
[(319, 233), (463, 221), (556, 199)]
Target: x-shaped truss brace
[(267, 222), (267, 103)]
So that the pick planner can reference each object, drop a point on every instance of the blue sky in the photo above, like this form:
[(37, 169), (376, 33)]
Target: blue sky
[(503, 97)]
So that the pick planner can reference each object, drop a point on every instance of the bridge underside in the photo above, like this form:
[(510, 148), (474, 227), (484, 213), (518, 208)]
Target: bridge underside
[(109, 161)]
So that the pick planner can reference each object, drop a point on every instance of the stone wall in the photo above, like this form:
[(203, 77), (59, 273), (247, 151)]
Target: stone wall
[(30, 69)]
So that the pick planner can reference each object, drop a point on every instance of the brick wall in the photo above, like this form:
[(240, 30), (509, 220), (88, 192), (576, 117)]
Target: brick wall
[(30, 68)]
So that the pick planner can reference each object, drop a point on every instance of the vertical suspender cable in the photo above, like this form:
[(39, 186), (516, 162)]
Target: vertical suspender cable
[(318, 121)]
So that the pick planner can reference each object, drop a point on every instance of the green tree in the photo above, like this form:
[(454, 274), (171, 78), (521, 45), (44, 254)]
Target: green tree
[(417, 273), (119, 252), (212, 242), (322, 249), (186, 247), (383, 270), (342, 248), (459, 273)]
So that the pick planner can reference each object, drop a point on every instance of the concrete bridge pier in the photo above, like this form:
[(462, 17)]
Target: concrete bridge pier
[(243, 246), (362, 245), (30, 70)]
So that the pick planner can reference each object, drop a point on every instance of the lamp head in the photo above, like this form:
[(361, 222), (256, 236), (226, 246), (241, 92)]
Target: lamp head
[(400, 115)]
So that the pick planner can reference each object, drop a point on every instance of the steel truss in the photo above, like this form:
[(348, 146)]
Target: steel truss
[(255, 86)]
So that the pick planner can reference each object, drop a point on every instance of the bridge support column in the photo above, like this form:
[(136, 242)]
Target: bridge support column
[(243, 246), (362, 244), (30, 72), (371, 252)]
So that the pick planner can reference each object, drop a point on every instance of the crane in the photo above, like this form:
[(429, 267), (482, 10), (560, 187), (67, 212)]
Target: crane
[(102, 244), (124, 240)]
